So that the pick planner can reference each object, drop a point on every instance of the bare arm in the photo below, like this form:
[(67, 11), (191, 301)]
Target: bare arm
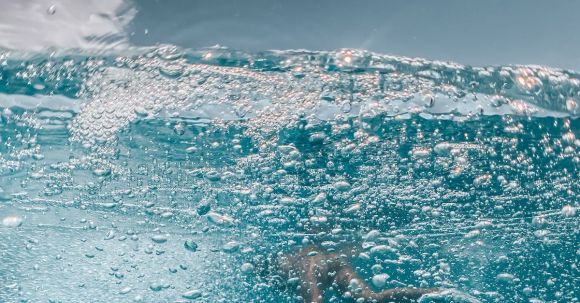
[(320, 271), (312, 293), (345, 276)]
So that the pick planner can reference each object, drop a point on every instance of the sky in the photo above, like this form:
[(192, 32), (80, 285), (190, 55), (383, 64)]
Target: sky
[(471, 32), (480, 33)]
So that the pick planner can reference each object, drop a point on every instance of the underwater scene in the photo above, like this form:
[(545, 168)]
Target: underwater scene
[(168, 174)]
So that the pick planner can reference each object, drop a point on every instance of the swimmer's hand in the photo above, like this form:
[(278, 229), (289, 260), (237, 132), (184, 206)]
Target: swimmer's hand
[(448, 295), (400, 295)]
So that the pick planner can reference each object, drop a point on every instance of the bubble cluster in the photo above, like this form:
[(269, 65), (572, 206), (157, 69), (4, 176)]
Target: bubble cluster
[(172, 82)]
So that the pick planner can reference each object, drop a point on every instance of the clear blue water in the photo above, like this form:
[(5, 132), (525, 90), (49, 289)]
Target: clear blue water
[(166, 175)]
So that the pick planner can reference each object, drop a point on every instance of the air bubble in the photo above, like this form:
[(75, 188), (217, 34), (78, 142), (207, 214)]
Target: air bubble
[(380, 280), (159, 238), (190, 245), (4, 196), (421, 152), (231, 247), (219, 219), (12, 221), (505, 277), (569, 211), (51, 10), (141, 111), (569, 137), (179, 129), (125, 290), (353, 208), (158, 286), (320, 197), (102, 171), (192, 294), (247, 268), (110, 235), (572, 105), (342, 186), (442, 149)]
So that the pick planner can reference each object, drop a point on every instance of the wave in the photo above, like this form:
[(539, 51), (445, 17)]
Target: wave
[(270, 88)]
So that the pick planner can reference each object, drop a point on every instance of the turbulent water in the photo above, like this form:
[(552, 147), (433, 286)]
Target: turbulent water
[(165, 175)]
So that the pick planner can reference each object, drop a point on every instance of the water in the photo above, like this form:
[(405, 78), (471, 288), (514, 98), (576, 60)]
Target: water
[(166, 175)]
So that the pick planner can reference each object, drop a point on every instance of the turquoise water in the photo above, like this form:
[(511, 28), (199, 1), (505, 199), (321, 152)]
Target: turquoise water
[(165, 175)]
